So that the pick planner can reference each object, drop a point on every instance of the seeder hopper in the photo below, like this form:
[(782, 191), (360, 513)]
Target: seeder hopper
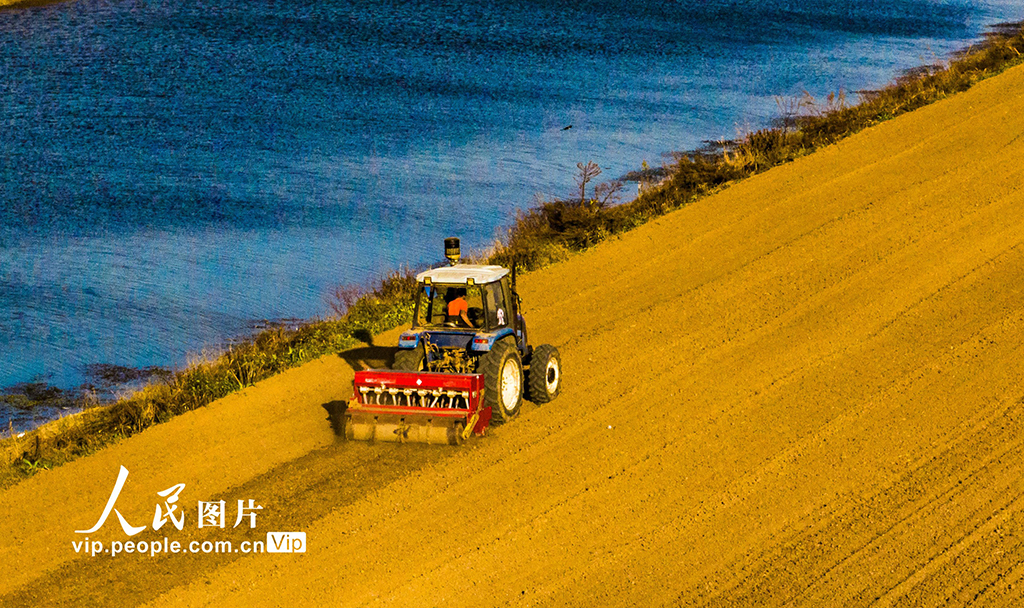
[(464, 363), (418, 407)]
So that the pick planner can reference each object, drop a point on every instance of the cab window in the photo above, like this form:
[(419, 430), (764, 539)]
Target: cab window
[(437, 300), (495, 303)]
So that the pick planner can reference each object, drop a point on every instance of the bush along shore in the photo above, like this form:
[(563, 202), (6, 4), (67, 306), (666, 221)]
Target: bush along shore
[(546, 233)]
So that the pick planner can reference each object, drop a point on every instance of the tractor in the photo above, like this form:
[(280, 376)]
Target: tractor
[(464, 363)]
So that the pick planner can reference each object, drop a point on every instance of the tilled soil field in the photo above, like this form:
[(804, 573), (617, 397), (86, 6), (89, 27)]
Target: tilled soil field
[(804, 390)]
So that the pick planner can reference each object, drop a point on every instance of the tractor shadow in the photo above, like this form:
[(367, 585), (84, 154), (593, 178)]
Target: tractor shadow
[(370, 356)]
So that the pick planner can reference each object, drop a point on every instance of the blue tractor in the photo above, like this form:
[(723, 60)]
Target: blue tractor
[(468, 321)]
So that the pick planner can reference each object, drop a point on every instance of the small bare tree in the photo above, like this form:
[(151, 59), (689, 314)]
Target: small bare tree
[(608, 191), (342, 297), (587, 173)]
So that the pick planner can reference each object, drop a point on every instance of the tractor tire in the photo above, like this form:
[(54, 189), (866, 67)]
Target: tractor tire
[(544, 378), (408, 360), (503, 381)]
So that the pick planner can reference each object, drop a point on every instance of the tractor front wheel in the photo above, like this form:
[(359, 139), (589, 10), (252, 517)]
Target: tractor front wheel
[(503, 380), (544, 378)]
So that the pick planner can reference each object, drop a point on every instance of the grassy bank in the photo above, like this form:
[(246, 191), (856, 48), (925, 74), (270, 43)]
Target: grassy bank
[(549, 232)]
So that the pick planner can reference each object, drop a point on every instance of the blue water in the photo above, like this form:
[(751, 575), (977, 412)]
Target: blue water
[(173, 171)]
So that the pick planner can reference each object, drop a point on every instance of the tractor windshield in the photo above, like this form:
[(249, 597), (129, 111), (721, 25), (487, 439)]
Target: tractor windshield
[(449, 306)]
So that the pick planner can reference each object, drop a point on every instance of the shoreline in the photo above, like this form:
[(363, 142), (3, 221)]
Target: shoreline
[(103, 384), (128, 327), (603, 221), (64, 373)]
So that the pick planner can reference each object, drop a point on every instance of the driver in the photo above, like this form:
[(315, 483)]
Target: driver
[(458, 307)]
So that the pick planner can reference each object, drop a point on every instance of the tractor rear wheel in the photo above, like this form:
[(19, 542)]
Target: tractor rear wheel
[(544, 378), (503, 380), (409, 360)]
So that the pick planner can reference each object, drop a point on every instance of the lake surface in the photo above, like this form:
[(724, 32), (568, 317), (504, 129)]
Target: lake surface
[(173, 172)]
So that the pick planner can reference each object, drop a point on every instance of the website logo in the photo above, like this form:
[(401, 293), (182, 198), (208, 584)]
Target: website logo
[(286, 542)]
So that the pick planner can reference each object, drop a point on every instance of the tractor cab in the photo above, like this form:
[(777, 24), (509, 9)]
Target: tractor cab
[(485, 292), (465, 307)]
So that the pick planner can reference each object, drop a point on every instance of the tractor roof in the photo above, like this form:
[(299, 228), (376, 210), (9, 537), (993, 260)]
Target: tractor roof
[(461, 273)]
